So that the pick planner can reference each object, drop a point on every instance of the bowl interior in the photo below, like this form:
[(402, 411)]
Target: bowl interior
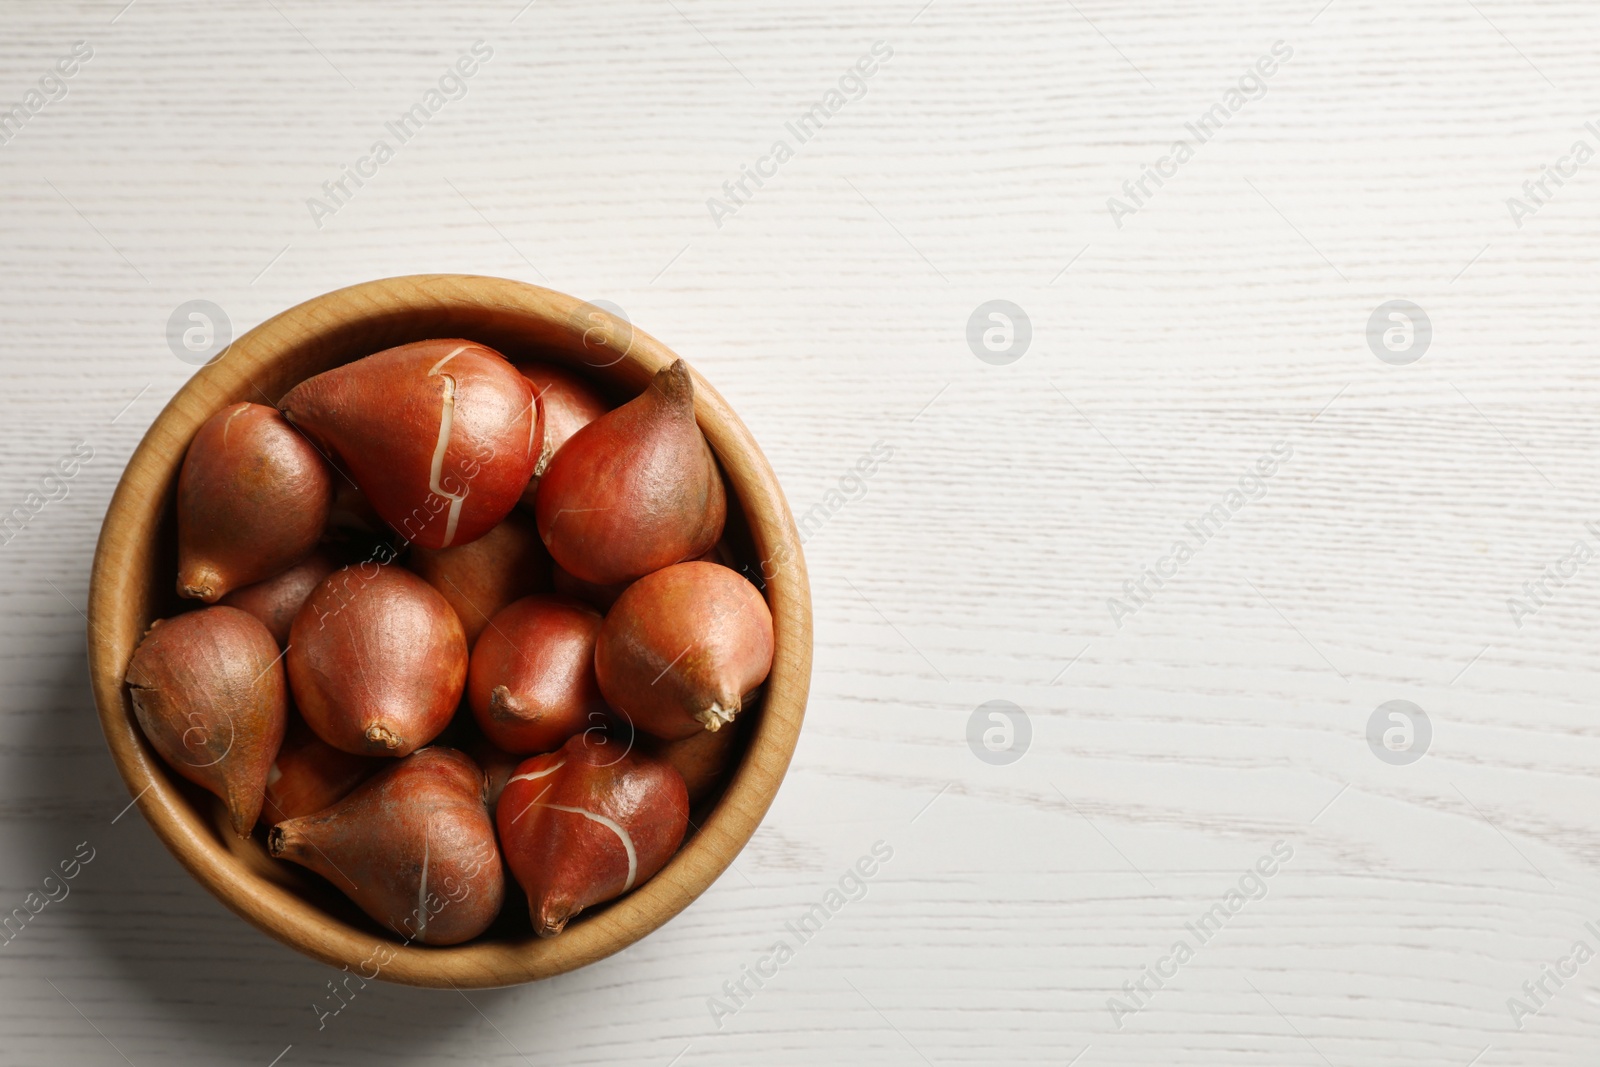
[(134, 578)]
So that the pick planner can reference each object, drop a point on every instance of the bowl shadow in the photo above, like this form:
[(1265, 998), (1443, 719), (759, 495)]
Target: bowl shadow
[(136, 930)]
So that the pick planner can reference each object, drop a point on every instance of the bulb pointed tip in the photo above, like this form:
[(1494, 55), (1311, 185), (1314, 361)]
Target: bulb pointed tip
[(676, 384), (201, 583)]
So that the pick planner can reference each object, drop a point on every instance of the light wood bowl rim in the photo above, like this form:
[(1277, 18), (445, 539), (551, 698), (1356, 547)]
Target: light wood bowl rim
[(117, 622)]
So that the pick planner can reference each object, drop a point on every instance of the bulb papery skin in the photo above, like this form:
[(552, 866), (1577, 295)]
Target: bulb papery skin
[(441, 436), (531, 682), (704, 759), (253, 498), (377, 661), (569, 402), (208, 690), (635, 490), (481, 577), (414, 848), (599, 596), (682, 648), (310, 774), (277, 600), (586, 824)]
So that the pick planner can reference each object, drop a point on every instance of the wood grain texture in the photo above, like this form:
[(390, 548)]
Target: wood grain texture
[(830, 311)]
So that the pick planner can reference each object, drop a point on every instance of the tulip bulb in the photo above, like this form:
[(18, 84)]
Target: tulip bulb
[(531, 680), (377, 661), (278, 600), (441, 436), (635, 490), (584, 825), (498, 765), (569, 403), (600, 596), (478, 579), (352, 515), (682, 647), (310, 774), (253, 497), (414, 848), (208, 690), (704, 758)]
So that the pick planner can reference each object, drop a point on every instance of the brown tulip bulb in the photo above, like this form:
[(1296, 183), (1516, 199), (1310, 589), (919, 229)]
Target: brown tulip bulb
[(531, 681), (704, 758), (208, 690), (377, 661), (478, 579), (414, 848), (253, 497), (682, 647), (636, 489), (569, 402), (441, 436), (310, 774), (277, 600), (584, 825)]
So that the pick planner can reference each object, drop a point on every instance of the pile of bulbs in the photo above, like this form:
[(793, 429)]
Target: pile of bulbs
[(548, 566)]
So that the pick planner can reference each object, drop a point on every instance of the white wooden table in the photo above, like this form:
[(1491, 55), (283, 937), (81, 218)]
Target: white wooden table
[(1176, 337)]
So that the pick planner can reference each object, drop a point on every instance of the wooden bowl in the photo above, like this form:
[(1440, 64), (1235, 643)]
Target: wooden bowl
[(134, 584)]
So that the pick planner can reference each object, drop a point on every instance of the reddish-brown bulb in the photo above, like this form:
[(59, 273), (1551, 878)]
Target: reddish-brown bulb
[(682, 648), (310, 774), (569, 402), (377, 660), (636, 489), (277, 600), (531, 682), (208, 690), (441, 436), (414, 848), (587, 824), (478, 579), (253, 497)]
